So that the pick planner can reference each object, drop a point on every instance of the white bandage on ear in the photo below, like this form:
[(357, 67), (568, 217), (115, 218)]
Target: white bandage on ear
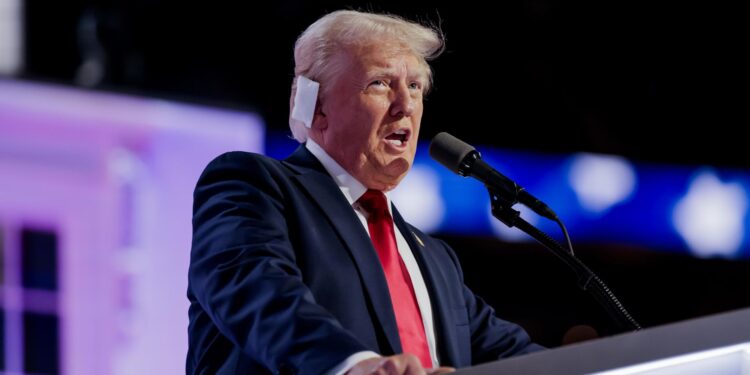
[(305, 100)]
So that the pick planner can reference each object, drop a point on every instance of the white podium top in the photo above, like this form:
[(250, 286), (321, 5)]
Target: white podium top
[(716, 345)]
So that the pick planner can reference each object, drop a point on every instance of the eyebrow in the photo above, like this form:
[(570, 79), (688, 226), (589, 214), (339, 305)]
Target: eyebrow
[(391, 72)]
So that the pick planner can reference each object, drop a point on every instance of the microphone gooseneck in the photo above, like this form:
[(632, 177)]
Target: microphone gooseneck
[(465, 160)]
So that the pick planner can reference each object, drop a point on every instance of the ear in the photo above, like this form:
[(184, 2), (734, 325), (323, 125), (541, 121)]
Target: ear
[(305, 100), (320, 121)]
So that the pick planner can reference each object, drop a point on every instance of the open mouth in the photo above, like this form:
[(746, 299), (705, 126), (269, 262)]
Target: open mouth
[(399, 137)]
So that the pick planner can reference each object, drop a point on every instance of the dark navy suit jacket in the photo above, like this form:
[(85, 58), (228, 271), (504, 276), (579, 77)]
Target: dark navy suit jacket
[(284, 279)]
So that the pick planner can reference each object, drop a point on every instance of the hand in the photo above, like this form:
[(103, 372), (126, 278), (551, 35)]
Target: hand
[(402, 364)]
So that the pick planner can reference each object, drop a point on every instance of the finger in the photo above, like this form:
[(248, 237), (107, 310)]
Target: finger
[(395, 365), (412, 365)]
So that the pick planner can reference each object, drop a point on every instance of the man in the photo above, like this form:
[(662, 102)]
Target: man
[(303, 265)]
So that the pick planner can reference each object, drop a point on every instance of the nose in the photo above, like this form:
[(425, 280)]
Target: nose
[(403, 103)]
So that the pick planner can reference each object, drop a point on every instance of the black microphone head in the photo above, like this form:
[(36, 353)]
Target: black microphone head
[(450, 151)]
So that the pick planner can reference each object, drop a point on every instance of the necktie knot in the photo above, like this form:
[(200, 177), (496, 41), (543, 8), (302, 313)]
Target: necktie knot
[(374, 202)]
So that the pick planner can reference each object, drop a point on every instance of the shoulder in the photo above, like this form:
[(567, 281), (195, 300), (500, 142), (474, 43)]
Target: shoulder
[(241, 160), (241, 165), (242, 175)]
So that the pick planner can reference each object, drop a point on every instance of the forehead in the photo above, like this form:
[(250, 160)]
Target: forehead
[(379, 56)]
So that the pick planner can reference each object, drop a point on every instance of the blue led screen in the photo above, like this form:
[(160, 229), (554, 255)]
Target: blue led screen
[(601, 199)]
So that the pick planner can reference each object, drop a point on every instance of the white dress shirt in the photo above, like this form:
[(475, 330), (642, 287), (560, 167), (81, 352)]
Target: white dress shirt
[(353, 190)]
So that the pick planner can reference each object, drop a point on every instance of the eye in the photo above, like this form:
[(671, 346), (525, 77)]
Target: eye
[(415, 85), (378, 82)]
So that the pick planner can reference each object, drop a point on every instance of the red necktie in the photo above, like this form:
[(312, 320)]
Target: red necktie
[(403, 299)]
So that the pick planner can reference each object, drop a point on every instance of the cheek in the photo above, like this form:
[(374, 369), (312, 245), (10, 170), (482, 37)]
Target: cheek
[(419, 110), (375, 108), (416, 119)]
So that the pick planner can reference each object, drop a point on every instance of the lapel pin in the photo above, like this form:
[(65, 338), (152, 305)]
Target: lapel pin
[(418, 239)]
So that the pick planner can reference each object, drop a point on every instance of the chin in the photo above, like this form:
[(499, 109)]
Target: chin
[(393, 179), (383, 181), (397, 167), (385, 176)]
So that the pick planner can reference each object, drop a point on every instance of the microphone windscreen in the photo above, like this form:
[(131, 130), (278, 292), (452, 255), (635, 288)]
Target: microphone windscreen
[(449, 151)]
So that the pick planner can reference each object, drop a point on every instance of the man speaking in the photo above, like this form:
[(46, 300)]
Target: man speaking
[(303, 265)]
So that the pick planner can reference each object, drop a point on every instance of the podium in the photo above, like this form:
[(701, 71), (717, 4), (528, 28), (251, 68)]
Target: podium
[(717, 345)]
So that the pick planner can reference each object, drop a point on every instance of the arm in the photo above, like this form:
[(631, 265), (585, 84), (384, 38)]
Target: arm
[(244, 274)]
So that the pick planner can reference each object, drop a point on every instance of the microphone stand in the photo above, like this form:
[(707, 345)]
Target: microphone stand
[(587, 280)]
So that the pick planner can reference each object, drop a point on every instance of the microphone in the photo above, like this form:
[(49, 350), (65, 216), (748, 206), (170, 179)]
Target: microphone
[(465, 160)]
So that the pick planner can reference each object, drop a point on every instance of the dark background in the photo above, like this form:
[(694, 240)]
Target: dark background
[(660, 82)]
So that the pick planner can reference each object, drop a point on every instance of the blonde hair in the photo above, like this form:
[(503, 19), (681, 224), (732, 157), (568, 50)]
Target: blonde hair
[(316, 47)]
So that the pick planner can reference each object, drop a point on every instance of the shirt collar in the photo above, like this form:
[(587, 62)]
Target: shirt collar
[(350, 186)]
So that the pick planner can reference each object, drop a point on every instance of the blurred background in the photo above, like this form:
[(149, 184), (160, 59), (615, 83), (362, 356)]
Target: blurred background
[(626, 117)]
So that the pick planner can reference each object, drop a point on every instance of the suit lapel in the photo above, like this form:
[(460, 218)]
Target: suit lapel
[(327, 195), (436, 282)]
